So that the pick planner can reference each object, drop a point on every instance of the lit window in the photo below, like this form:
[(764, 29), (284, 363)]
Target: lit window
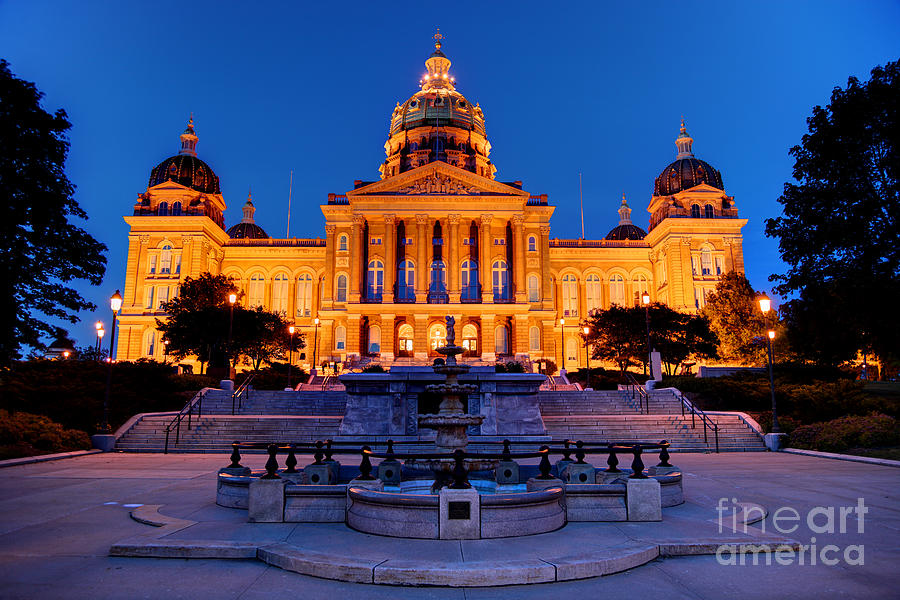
[(534, 288), (151, 342), (303, 295), (165, 260), (640, 284), (406, 280), (534, 339), (340, 337), (437, 336), (280, 294), (593, 289), (571, 351), (500, 279), (501, 340), (341, 295), (405, 337), (469, 280), (470, 338), (374, 339), (148, 297), (151, 264), (706, 261), (570, 295), (375, 280), (163, 296), (256, 295), (176, 264), (617, 290)]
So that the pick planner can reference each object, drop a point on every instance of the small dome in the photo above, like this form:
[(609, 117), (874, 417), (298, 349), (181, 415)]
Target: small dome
[(188, 171), (626, 232), (248, 231), (686, 171)]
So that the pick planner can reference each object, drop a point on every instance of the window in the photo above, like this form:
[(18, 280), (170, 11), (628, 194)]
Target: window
[(570, 295), (176, 209), (151, 264), (500, 273), (617, 290), (376, 241), (470, 338), (406, 281), (340, 338), (532, 244), (342, 242), (571, 351), (437, 336), (640, 284), (468, 241), (257, 290), (176, 264), (534, 288), (406, 241), (162, 296), (534, 339), (501, 340), (374, 339), (437, 241), (375, 280), (592, 287), (695, 211), (303, 295), (151, 342), (708, 211), (695, 264), (698, 298), (499, 241), (148, 297), (280, 294), (341, 295), (469, 280), (706, 261), (405, 337), (719, 268), (165, 260), (162, 209), (437, 288)]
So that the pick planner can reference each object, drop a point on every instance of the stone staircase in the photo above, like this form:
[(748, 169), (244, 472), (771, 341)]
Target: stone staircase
[(265, 402)]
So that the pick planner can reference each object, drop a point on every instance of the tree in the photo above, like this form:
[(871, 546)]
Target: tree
[(735, 318), (44, 250), (618, 335), (263, 337), (841, 222), (679, 336)]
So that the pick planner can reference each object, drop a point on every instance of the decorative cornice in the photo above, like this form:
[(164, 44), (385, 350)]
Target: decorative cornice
[(454, 219), (486, 219), (330, 229), (358, 220), (545, 229), (518, 220), (390, 219), (422, 219)]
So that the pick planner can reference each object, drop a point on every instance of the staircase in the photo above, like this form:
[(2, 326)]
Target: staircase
[(265, 402)]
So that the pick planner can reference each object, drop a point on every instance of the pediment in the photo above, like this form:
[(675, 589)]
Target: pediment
[(437, 179)]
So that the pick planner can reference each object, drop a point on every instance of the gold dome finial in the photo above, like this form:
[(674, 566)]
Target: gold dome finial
[(624, 203), (683, 130), (437, 39)]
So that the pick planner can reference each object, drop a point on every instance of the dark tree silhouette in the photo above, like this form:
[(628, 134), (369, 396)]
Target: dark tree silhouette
[(43, 250), (735, 318), (841, 224)]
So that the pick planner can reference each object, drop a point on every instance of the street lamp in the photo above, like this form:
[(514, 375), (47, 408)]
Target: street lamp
[(765, 305), (645, 300), (99, 327), (290, 355), (166, 351), (562, 325), (315, 343), (65, 354), (232, 298), (115, 303), (587, 354)]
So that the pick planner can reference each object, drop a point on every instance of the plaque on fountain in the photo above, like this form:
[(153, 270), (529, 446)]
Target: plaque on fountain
[(459, 510)]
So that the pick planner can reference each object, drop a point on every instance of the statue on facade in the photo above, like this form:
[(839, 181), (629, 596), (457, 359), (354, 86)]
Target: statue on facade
[(451, 333)]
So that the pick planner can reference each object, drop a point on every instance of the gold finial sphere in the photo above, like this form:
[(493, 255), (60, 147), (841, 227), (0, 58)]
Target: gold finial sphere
[(437, 39)]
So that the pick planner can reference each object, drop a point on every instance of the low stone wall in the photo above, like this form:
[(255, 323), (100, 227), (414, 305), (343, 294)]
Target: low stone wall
[(510, 515), (395, 515)]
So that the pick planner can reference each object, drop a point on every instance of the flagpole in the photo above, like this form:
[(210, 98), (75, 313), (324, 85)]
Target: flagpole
[(290, 189), (581, 199)]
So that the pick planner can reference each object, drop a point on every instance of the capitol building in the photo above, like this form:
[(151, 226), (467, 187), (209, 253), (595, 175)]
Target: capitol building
[(438, 234)]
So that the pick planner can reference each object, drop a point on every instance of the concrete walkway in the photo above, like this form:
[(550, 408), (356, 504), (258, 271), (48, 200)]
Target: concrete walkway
[(59, 519)]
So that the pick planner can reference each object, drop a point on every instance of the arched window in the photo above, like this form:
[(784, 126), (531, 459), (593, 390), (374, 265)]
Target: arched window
[(534, 339), (534, 288), (617, 290), (570, 295), (532, 244), (469, 280), (165, 260), (303, 295), (592, 288), (706, 261), (437, 336), (500, 272), (176, 209), (340, 338), (342, 242), (437, 288), (695, 211), (640, 284), (470, 338), (375, 280), (280, 294), (406, 281), (163, 209), (374, 339), (257, 291), (501, 340), (341, 294), (405, 337), (708, 211), (572, 351), (151, 342)]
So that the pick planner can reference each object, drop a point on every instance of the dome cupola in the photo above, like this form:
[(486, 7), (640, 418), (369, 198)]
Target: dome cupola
[(625, 230), (185, 168), (686, 171), (247, 228)]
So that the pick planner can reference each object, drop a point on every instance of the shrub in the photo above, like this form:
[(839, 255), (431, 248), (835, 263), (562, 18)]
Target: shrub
[(374, 369), (839, 435), (509, 367), (26, 434), (603, 379), (273, 377)]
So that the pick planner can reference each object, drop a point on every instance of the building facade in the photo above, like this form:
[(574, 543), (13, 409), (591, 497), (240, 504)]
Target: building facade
[(437, 235)]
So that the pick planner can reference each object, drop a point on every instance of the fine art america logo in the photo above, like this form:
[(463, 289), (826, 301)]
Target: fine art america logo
[(786, 520)]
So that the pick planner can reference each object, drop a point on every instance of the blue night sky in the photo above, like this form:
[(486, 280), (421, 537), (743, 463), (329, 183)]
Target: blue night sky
[(591, 87)]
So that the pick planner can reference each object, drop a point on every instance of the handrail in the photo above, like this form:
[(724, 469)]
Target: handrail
[(708, 423), (238, 394), (188, 409), (643, 396)]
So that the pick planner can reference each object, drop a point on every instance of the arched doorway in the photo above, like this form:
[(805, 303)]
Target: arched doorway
[(470, 339), (437, 337), (405, 336)]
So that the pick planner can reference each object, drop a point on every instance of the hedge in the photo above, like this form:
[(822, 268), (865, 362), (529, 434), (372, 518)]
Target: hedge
[(26, 434), (845, 433)]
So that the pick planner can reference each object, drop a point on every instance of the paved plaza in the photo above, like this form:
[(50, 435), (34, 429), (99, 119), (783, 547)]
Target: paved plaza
[(59, 520)]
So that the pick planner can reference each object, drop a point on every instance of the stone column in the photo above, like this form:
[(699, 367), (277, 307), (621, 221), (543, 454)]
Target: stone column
[(137, 249), (353, 324), (687, 281), (519, 258), (452, 245), (387, 338), (390, 259), (545, 268), (422, 243), (487, 338), (484, 263), (520, 349), (328, 298), (356, 258), (420, 338)]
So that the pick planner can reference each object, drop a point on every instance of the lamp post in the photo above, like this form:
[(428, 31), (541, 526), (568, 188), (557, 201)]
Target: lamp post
[(99, 327), (765, 305), (115, 303), (232, 298), (290, 355), (562, 325), (65, 354), (315, 343), (166, 352), (645, 300), (587, 354)]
